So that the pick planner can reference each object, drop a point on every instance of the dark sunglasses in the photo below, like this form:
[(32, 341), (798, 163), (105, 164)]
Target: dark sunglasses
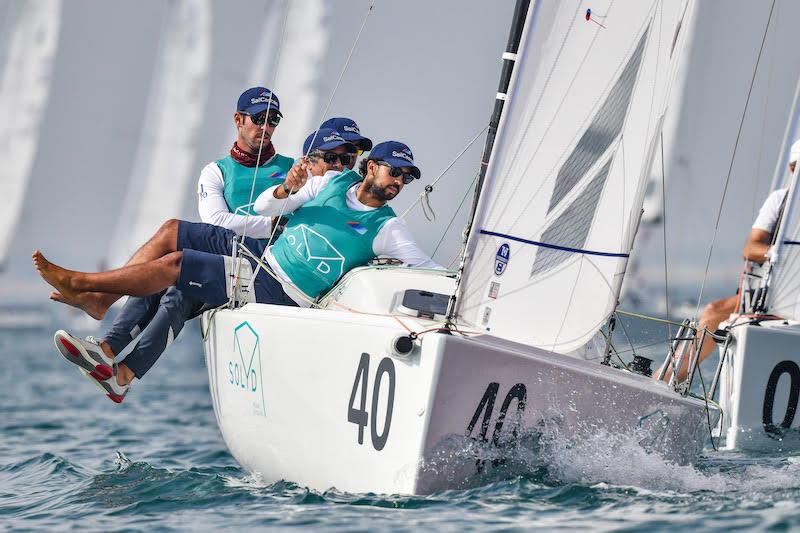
[(331, 157), (273, 119), (396, 172)]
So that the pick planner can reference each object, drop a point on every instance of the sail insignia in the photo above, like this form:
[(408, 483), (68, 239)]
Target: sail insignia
[(603, 130), (571, 228)]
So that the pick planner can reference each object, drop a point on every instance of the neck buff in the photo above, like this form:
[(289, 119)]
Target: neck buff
[(249, 160)]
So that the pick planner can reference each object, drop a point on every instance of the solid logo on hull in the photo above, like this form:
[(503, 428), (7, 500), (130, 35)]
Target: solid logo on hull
[(244, 371)]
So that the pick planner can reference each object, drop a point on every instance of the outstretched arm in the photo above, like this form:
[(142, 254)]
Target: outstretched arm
[(757, 245), (394, 240), (276, 201)]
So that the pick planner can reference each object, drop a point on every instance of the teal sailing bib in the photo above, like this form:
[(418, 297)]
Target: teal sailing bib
[(324, 238), (238, 181)]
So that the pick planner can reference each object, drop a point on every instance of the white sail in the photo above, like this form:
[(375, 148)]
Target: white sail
[(296, 81), (166, 152), (24, 92), (563, 191), (783, 283)]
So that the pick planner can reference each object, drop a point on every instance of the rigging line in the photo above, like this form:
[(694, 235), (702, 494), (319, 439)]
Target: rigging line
[(248, 216), (344, 69), (446, 169), (455, 214), (733, 158), (264, 129), (664, 231), (324, 113), (330, 100), (648, 317), (627, 336)]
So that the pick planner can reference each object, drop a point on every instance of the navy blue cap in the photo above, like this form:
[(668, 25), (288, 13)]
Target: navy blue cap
[(257, 99), (348, 129), (396, 154), (325, 139)]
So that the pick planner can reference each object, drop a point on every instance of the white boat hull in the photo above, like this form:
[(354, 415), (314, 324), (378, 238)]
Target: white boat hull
[(760, 388), (317, 397)]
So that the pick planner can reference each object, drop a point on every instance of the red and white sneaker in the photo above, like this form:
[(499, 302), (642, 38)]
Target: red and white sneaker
[(92, 362)]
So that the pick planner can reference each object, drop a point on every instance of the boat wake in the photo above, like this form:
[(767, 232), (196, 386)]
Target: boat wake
[(602, 459)]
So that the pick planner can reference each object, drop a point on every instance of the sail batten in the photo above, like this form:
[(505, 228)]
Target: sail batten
[(556, 219)]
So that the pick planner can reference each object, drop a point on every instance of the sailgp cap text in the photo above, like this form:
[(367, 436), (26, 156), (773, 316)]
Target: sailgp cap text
[(396, 154), (326, 139), (256, 100), (348, 129)]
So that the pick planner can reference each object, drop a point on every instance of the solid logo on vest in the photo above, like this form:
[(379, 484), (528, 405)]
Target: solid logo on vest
[(501, 259), (316, 249)]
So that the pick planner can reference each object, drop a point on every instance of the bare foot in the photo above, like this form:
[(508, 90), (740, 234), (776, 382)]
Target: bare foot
[(91, 303), (53, 274)]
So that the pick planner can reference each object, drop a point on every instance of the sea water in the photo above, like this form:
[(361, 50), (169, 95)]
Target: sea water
[(70, 458)]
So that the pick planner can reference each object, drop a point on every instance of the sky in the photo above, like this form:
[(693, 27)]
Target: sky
[(422, 72)]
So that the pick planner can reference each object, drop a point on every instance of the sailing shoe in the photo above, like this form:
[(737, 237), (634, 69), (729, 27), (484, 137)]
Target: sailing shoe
[(90, 359)]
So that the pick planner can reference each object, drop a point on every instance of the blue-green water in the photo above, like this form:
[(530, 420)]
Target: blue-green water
[(70, 458)]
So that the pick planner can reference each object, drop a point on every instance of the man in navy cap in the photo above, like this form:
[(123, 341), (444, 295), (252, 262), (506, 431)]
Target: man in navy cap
[(195, 257), (228, 186), (225, 191), (343, 213), (348, 129)]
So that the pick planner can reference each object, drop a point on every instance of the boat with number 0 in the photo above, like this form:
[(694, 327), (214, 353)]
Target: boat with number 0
[(408, 380)]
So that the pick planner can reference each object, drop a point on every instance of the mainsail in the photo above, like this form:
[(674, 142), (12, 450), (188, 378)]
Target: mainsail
[(563, 191), (166, 152), (24, 91)]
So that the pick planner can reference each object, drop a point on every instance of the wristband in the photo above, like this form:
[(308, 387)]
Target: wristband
[(287, 190)]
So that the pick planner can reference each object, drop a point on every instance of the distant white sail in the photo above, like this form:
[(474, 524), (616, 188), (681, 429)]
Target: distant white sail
[(166, 152), (296, 82), (24, 92), (563, 191)]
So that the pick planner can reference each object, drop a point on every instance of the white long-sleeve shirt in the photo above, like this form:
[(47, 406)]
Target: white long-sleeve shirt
[(214, 209), (392, 240)]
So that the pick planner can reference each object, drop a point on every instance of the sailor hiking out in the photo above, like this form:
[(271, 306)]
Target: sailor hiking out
[(343, 213)]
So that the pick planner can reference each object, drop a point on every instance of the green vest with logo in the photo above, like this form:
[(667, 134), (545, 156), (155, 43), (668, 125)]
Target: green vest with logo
[(324, 238), (238, 181)]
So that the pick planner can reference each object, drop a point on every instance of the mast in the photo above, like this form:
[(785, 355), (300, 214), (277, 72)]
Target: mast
[(509, 59)]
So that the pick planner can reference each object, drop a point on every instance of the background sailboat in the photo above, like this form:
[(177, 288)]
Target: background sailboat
[(740, 72), (31, 33), (166, 154)]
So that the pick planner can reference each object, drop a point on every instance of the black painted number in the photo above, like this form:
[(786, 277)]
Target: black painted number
[(359, 415), (784, 367), (486, 407)]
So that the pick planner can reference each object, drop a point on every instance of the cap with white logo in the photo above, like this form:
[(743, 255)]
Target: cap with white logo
[(348, 129), (257, 99), (396, 154), (326, 139)]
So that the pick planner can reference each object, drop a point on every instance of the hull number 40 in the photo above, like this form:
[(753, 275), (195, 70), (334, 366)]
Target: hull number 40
[(358, 415)]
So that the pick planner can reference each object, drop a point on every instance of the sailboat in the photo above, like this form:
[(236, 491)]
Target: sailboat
[(759, 368), (404, 380), (166, 154), (24, 92)]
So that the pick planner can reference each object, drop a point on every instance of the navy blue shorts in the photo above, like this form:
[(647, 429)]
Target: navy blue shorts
[(203, 276), (212, 239)]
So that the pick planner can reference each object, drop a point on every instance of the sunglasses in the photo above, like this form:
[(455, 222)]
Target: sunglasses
[(331, 157), (396, 172), (273, 119)]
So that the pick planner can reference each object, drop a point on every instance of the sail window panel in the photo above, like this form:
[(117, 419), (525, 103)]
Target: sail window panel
[(571, 228), (604, 128)]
